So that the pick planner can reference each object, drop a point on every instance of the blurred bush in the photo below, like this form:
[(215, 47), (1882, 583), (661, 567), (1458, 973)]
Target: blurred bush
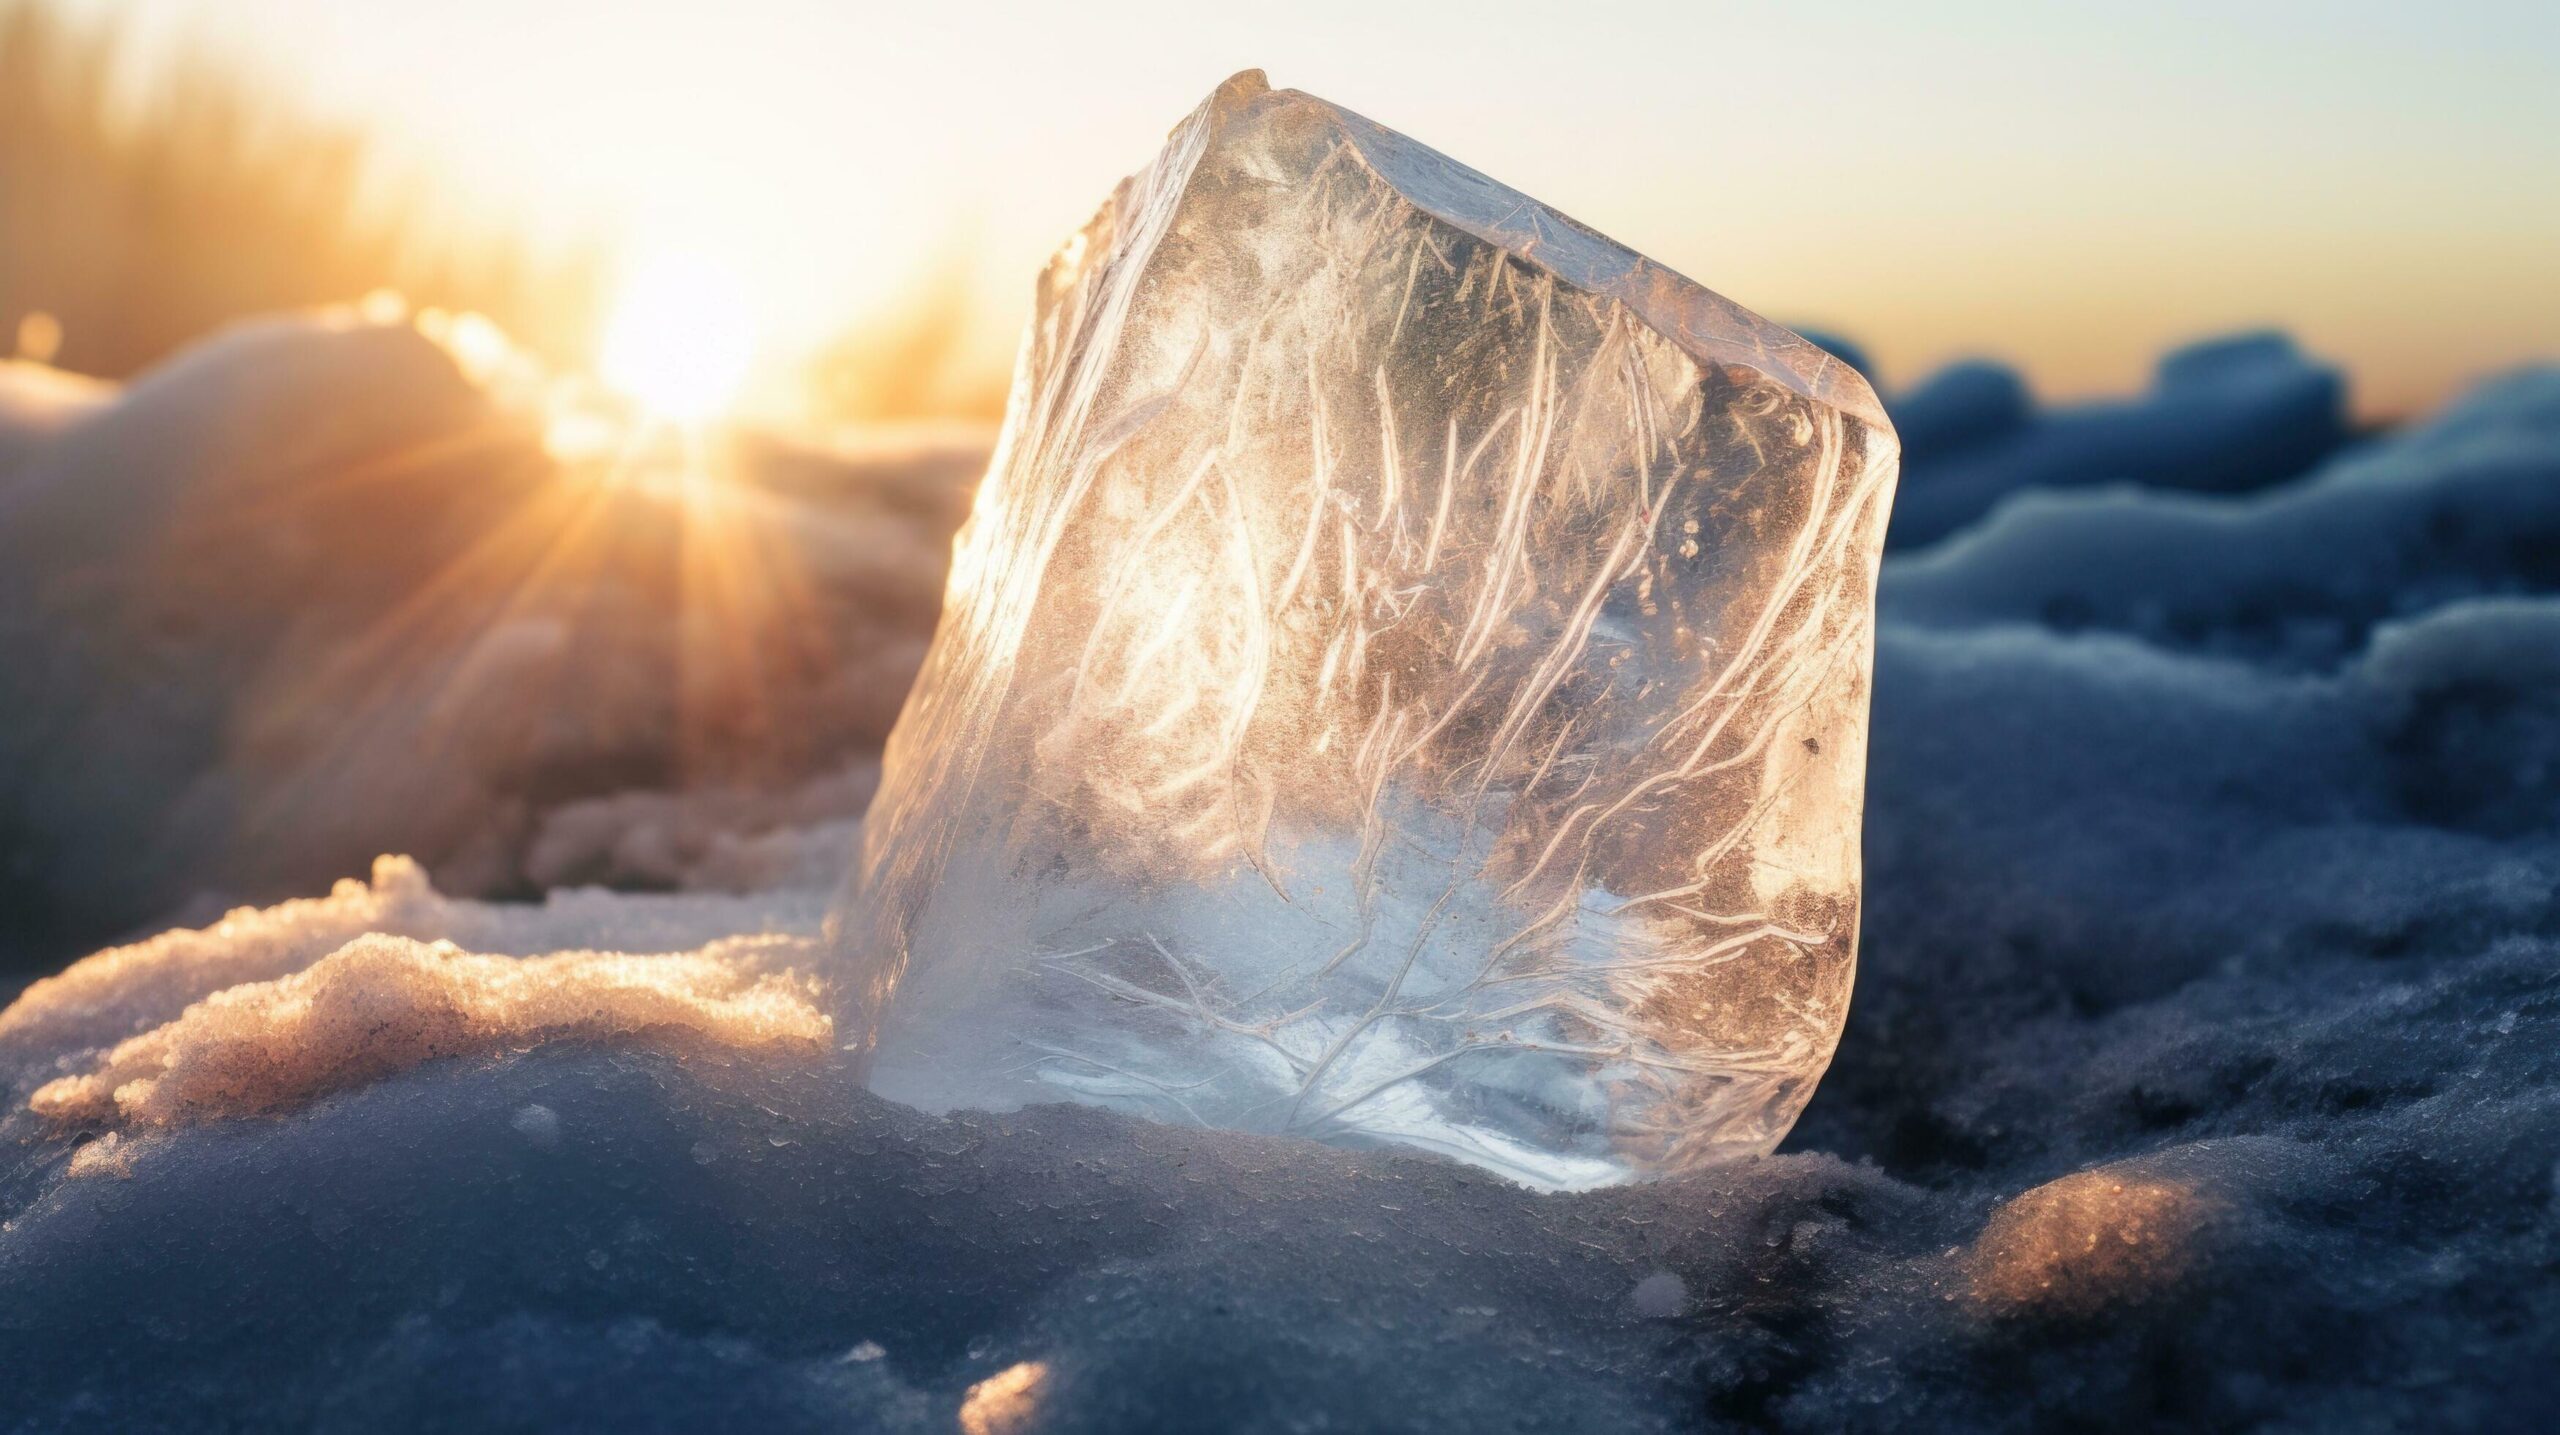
[(140, 209), (910, 362)]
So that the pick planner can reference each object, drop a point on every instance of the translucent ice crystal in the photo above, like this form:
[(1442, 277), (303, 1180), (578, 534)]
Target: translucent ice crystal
[(1404, 680)]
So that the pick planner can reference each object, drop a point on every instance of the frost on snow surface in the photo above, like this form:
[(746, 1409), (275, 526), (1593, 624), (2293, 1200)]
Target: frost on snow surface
[(2203, 1072), (1405, 680)]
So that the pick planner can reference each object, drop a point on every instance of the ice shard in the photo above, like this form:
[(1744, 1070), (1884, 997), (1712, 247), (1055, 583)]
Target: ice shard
[(1404, 680)]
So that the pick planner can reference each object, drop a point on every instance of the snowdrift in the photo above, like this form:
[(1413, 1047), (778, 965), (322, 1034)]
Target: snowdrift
[(2203, 1069)]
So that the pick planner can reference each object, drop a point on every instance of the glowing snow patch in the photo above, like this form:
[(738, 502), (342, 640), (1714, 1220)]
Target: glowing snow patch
[(380, 1004), (272, 1006), (125, 991)]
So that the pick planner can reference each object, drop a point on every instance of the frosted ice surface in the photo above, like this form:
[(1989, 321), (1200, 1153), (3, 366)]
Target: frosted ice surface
[(1404, 680)]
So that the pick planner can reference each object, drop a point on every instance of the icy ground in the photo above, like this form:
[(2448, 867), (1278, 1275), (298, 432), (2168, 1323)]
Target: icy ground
[(2204, 1068)]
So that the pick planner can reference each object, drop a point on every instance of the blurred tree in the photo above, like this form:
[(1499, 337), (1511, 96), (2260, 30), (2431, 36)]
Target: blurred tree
[(910, 362), (139, 210)]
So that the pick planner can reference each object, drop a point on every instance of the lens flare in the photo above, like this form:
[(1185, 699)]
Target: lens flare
[(681, 338)]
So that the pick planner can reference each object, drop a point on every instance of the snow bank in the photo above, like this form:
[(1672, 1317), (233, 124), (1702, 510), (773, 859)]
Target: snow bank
[(317, 590), (384, 1004), (36, 404), (2204, 1072), (2222, 416), (2465, 505), (126, 991)]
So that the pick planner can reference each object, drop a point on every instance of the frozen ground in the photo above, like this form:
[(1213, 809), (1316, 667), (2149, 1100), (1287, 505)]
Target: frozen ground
[(2204, 1067)]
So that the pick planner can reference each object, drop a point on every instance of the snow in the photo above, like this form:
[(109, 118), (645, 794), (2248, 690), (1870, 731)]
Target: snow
[(2223, 416), (2203, 1072), (126, 991), (37, 404), (380, 1005), (315, 591)]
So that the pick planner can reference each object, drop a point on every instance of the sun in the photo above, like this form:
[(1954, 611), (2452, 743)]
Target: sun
[(681, 337)]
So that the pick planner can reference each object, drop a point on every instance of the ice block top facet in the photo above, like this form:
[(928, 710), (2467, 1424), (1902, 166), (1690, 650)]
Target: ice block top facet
[(1404, 680), (1711, 327)]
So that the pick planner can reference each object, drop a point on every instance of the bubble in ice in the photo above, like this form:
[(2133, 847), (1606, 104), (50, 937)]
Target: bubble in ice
[(1404, 680)]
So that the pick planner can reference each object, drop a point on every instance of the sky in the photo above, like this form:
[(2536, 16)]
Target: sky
[(2069, 187)]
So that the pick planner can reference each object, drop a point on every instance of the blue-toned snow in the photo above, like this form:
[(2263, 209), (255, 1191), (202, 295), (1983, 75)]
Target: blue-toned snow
[(2204, 1069)]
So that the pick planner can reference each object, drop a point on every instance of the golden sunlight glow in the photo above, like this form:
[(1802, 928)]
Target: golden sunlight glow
[(1005, 1402), (681, 337)]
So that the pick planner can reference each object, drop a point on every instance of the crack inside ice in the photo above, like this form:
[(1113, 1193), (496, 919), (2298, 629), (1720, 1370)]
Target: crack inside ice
[(1404, 680)]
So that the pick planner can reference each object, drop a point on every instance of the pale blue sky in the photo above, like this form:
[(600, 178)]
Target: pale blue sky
[(2069, 185)]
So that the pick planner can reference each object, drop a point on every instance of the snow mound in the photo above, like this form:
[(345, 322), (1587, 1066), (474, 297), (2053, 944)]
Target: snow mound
[(2203, 1073), (2466, 504), (383, 1004), (126, 991), (2088, 1242), (2223, 416), (318, 588)]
